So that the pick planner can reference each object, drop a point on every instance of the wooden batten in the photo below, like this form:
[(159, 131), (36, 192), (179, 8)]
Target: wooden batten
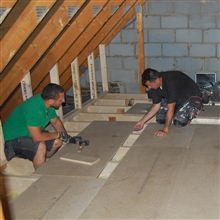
[(26, 87), (76, 84), (92, 76), (104, 71), (54, 78)]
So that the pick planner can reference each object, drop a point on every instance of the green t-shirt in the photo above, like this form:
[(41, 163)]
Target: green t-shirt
[(32, 112)]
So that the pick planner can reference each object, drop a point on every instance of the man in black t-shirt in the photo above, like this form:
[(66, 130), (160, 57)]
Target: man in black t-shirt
[(175, 97)]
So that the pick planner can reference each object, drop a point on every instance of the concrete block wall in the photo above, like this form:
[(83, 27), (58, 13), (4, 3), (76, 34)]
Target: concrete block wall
[(179, 34)]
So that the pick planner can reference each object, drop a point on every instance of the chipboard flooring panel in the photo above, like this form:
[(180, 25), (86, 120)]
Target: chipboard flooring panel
[(56, 197), (177, 137), (105, 139), (210, 111), (139, 108), (163, 181)]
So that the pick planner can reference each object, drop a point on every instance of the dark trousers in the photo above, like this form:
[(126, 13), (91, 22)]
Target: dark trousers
[(184, 111)]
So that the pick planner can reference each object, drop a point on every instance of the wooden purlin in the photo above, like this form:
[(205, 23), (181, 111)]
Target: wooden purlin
[(113, 32), (66, 41), (19, 32), (35, 49)]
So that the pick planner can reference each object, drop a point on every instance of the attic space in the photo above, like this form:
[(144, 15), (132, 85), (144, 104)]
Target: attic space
[(109, 109)]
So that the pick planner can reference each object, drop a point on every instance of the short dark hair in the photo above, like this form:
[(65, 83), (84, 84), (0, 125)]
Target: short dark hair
[(150, 75), (51, 91)]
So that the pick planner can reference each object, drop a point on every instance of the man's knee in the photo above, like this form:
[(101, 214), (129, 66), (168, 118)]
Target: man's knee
[(179, 123), (160, 121), (57, 144)]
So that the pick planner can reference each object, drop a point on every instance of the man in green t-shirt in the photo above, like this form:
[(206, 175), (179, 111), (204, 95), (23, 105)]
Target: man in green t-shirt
[(24, 129)]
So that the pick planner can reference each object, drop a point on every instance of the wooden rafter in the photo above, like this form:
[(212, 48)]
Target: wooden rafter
[(84, 18), (99, 37), (113, 32), (86, 39), (40, 40), (7, 3), (19, 31), (58, 49)]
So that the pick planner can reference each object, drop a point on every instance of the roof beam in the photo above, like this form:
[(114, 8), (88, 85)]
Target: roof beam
[(107, 39), (19, 31), (86, 36), (7, 3), (16, 8), (61, 46), (39, 41)]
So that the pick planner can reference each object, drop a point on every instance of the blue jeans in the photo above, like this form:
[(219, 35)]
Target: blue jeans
[(24, 147)]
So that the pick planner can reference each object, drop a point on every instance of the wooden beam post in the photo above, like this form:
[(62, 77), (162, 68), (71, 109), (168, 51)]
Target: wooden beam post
[(54, 78), (92, 76), (76, 84), (104, 72), (141, 56), (26, 87), (1, 211), (2, 153)]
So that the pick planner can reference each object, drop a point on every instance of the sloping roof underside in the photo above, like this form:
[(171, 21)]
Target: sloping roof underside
[(36, 35)]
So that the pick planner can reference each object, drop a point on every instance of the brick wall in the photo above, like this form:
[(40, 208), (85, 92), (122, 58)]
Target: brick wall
[(179, 34)]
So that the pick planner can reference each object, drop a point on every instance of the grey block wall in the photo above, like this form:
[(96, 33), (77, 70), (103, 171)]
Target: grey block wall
[(179, 34)]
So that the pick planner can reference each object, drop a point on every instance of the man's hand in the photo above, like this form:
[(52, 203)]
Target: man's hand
[(161, 133), (64, 137), (138, 126)]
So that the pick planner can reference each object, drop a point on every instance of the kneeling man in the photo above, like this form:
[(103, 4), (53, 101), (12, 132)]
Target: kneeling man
[(24, 130), (176, 97)]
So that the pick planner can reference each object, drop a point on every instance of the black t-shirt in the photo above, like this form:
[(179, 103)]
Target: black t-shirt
[(176, 87)]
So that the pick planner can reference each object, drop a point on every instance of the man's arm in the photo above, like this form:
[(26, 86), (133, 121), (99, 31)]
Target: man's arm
[(169, 118), (152, 112), (58, 124), (39, 135)]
